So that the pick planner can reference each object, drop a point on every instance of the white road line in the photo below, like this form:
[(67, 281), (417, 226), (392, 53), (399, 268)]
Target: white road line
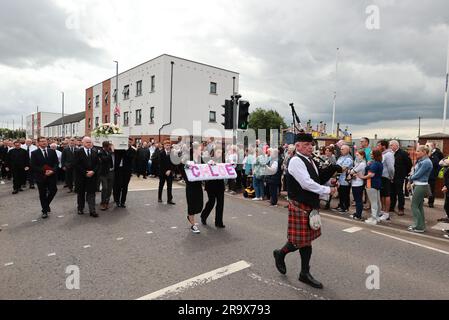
[(87, 246), (250, 215), (120, 239), (5, 225), (198, 280), (234, 218), (411, 242), (174, 228), (353, 230), (9, 264), (33, 220), (51, 254), (60, 216), (149, 232)]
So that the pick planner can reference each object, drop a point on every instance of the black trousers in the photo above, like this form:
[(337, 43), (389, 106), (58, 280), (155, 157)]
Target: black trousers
[(47, 191), (121, 183), (69, 178), (87, 192), (344, 194), (274, 189), (432, 190), (218, 197), (446, 204), (18, 178), (397, 194), (30, 177), (162, 179)]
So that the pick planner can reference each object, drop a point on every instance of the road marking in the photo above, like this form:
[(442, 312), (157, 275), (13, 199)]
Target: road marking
[(120, 239), (264, 212), (353, 230), (411, 242), (87, 246), (51, 254), (148, 204), (149, 232), (174, 228), (33, 220), (5, 225), (9, 264), (234, 218), (250, 215), (198, 280), (60, 216)]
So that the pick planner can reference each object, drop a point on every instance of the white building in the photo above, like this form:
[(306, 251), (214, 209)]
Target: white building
[(74, 126), (36, 122), (195, 91)]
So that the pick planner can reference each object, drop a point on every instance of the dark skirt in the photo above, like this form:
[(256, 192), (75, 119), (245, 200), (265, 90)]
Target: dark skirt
[(194, 195), (299, 232)]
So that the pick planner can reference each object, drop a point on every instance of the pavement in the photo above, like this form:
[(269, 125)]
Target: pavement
[(146, 251)]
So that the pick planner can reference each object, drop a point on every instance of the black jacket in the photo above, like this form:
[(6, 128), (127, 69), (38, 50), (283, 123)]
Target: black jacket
[(128, 157), (402, 165), (39, 164), (165, 163), (106, 162), (68, 158), (84, 164), (435, 157), (17, 159)]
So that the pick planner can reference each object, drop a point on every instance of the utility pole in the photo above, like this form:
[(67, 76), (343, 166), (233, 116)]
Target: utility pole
[(116, 115), (419, 127), (335, 93), (62, 119)]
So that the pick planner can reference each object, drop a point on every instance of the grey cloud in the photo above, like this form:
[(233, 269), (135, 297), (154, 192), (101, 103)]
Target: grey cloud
[(34, 34)]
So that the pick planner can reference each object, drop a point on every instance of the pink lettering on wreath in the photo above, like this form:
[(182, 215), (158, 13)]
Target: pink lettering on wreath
[(212, 172), (229, 169), (194, 171)]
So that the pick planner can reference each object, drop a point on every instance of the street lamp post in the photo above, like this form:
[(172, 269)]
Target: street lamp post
[(62, 119)]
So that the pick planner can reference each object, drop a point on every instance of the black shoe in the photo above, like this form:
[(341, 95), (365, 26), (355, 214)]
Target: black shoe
[(117, 204), (308, 279), (44, 215), (15, 192), (431, 206), (220, 226), (48, 209), (159, 200), (171, 202), (122, 205), (280, 263), (20, 189), (80, 212), (32, 187), (203, 221), (94, 214)]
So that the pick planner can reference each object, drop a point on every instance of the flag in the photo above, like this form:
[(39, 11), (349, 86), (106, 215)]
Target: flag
[(117, 111)]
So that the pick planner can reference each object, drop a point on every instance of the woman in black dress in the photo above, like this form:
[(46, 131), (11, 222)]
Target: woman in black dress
[(194, 190)]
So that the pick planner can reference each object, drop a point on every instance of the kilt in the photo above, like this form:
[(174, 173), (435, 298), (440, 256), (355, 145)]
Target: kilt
[(299, 232)]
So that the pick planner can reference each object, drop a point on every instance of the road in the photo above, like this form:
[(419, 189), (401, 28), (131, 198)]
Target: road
[(147, 251)]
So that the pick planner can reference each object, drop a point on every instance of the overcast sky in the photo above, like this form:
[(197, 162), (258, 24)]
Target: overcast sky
[(284, 51)]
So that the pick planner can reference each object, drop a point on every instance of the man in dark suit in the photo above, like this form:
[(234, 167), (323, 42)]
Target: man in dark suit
[(68, 162), (87, 166), (166, 171), (402, 167), (44, 163), (123, 164), (18, 163)]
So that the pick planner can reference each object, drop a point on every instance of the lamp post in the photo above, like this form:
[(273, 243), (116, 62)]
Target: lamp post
[(62, 119)]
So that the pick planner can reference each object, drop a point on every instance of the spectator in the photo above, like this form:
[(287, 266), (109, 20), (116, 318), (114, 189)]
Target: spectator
[(373, 185), (435, 156), (402, 167), (387, 177), (445, 164), (419, 183), (364, 146), (273, 175), (258, 174), (357, 183), (345, 161)]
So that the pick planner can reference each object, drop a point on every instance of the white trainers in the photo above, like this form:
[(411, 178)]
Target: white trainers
[(371, 221), (385, 217), (195, 229), (255, 199)]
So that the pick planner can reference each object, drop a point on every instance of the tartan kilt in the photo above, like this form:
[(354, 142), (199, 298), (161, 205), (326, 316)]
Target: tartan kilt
[(299, 232)]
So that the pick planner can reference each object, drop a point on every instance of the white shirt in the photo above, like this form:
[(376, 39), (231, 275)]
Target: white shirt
[(32, 148), (43, 151), (85, 150), (59, 154), (297, 168)]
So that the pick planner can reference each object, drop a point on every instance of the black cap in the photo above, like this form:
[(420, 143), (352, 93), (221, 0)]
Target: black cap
[(303, 137)]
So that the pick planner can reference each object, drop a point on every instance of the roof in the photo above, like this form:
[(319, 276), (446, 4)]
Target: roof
[(166, 55), (71, 118), (437, 135)]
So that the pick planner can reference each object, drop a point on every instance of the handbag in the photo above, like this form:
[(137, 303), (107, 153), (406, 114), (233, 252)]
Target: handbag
[(315, 220)]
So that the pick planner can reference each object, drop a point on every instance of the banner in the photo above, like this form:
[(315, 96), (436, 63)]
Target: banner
[(204, 172)]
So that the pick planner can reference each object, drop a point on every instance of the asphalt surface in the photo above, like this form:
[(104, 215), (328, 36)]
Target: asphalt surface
[(130, 253)]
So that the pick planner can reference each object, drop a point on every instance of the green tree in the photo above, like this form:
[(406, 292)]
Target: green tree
[(266, 119)]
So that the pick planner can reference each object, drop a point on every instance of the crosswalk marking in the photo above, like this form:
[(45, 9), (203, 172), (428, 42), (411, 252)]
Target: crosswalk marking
[(353, 229), (198, 280)]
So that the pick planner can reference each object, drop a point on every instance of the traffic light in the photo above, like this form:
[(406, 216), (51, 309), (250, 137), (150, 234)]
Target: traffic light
[(228, 115), (243, 114)]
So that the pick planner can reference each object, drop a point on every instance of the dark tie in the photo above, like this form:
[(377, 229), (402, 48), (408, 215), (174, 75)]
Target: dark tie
[(71, 149), (28, 149), (88, 153), (45, 154)]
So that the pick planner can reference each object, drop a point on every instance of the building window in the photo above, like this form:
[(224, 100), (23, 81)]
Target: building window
[(115, 95), (97, 122), (152, 115), (125, 119), (126, 93), (97, 101), (213, 88), (89, 124), (106, 119), (212, 116), (106, 97), (139, 88), (138, 117), (89, 103), (153, 83)]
